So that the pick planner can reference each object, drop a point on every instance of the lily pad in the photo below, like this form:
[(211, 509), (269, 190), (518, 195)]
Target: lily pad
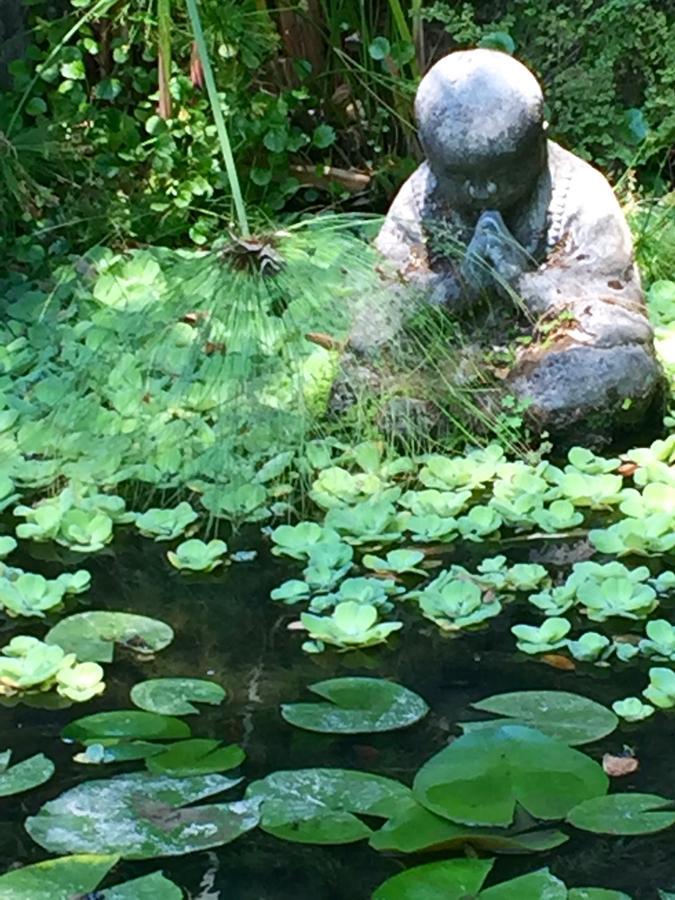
[(480, 777), (623, 814), (197, 756), (91, 636), (539, 884), (320, 806), (129, 751), (24, 775), (147, 887), (57, 879), (127, 724), (141, 816), (414, 829), (357, 706), (450, 879), (171, 696), (559, 714)]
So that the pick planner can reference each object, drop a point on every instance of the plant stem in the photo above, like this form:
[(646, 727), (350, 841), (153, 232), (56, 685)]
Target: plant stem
[(223, 137), (164, 57)]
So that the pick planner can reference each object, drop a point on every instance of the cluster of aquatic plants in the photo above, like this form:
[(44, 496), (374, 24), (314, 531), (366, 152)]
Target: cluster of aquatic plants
[(510, 784), (30, 666)]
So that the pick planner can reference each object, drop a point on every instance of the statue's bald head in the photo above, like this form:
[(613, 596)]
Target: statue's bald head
[(481, 109)]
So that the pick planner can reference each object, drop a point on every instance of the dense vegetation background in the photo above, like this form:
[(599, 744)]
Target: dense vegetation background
[(106, 134)]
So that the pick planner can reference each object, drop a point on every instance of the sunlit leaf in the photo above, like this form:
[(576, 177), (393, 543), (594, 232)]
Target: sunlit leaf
[(171, 696), (91, 636), (623, 814)]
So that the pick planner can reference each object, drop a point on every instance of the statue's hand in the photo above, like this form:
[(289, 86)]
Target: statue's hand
[(494, 257)]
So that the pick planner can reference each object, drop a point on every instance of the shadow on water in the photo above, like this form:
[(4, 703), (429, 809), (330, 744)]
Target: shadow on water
[(227, 629)]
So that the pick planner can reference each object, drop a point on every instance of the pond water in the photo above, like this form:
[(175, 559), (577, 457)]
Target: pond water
[(228, 630)]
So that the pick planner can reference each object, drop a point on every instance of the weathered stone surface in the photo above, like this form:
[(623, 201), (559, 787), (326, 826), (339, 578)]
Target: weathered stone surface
[(498, 211)]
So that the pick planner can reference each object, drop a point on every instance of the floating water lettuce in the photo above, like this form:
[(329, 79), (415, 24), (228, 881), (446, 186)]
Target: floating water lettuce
[(430, 528), (173, 696), (645, 537), (481, 776), (7, 546), (29, 594), (396, 561), (27, 666), (321, 806), (350, 625), (623, 814), (197, 556), (298, 541), (661, 688), (373, 521), (590, 647), (141, 816), (584, 460), (357, 706), (336, 487), (238, 503), (618, 596), (432, 502), (23, 776), (165, 524), (454, 603), (470, 471), (543, 639), (632, 709), (561, 515), (92, 636), (85, 531), (366, 591), (559, 714), (598, 491), (478, 523), (327, 564), (660, 640)]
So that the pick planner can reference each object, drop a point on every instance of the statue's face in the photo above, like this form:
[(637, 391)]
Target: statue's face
[(472, 185)]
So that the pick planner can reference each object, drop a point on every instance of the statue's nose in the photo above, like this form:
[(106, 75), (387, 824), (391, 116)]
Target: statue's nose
[(481, 191)]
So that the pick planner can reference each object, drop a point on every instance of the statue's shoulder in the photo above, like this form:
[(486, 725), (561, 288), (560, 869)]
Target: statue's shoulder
[(582, 182)]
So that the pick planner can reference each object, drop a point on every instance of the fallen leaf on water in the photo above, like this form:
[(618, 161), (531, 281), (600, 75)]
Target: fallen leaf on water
[(616, 766), (558, 661), (627, 469)]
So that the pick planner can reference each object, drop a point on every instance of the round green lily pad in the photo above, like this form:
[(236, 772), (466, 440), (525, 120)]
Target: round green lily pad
[(357, 706), (171, 696), (559, 714), (624, 814), (91, 636), (128, 724)]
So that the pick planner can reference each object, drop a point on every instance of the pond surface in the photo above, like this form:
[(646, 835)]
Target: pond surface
[(228, 630)]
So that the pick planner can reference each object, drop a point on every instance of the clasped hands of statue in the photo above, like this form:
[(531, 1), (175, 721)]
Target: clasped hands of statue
[(493, 258)]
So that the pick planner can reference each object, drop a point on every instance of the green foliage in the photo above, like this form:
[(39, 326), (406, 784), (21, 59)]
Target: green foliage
[(623, 814), (350, 625), (632, 709), (453, 603), (319, 806), (197, 556), (614, 120), (23, 776), (357, 706), (29, 666), (543, 639), (174, 696), (107, 817), (92, 636)]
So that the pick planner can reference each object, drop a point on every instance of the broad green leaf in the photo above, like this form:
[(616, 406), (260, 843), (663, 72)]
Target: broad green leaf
[(539, 885), (559, 714), (141, 816), (414, 829), (319, 806), (57, 879), (147, 887), (171, 696), (451, 879), (24, 775), (91, 636), (358, 705), (198, 756), (481, 776), (101, 754), (599, 894), (623, 814), (126, 723)]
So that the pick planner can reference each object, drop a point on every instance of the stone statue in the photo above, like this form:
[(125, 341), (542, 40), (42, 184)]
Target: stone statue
[(499, 211)]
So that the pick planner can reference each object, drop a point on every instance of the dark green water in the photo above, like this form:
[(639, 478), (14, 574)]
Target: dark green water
[(228, 630)]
